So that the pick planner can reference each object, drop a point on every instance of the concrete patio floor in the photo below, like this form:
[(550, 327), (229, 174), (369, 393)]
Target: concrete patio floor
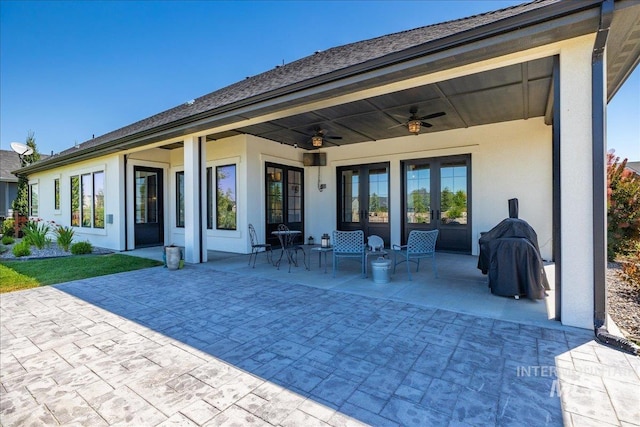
[(460, 286), (214, 345)]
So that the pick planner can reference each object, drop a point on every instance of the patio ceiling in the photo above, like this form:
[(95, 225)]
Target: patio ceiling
[(515, 92)]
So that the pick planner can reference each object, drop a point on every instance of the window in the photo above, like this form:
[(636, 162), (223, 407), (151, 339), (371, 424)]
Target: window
[(180, 199), (33, 200), (87, 200), (56, 190), (75, 201), (226, 197), (86, 196), (210, 198), (98, 199)]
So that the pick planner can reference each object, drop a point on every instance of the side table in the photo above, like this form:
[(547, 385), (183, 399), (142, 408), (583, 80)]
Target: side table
[(321, 251)]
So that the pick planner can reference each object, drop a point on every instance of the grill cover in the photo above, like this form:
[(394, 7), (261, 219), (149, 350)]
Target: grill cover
[(509, 253)]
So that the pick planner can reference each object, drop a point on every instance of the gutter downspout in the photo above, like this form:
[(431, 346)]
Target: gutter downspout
[(599, 144)]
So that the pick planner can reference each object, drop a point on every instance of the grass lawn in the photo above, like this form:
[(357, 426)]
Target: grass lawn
[(17, 275)]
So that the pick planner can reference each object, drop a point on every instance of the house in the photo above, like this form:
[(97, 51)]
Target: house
[(634, 167), (9, 162), (435, 127)]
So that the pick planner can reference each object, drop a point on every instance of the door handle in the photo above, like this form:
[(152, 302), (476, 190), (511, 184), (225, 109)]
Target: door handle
[(438, 214), (431, 214)]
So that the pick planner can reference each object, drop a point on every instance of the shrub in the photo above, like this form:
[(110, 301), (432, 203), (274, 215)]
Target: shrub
[(81, 248), (7, 240), (623, 208), (22, 249), (36, 233), (64, 237), (631, 267), (7, 227)]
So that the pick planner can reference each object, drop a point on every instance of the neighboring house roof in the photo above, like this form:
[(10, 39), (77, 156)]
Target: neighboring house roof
[(322, 67), (634, 166), (9, 161)]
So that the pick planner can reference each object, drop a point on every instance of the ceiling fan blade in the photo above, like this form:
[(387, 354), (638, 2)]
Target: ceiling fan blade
[(333, 137), (434, 115), (425, 124)]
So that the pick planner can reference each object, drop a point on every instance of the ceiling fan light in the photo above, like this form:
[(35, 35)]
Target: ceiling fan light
[(316, 141), (414, 126)]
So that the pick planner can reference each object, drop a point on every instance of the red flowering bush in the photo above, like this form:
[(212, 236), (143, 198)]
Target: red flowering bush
[(623, 208)]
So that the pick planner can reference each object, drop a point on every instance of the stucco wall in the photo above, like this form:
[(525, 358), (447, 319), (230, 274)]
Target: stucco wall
[(508, 160), (109, 237)]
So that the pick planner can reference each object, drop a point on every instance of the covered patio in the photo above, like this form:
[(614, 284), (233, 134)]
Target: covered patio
[(460, 286)]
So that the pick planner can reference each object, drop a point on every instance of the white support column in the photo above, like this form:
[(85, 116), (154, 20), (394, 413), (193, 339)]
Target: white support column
[(192, 200), (576, 178)]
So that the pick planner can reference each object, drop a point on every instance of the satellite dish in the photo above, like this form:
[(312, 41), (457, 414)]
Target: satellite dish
[(21, 149)]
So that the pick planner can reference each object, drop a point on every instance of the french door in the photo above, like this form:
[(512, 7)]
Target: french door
[(436, 195), (284, 199), (149, 222), (363, 199)]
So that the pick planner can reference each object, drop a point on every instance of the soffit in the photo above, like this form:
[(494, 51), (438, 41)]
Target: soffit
[(623, 45), (515, 92)]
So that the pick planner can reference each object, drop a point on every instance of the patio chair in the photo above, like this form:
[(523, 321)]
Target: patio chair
[(290, 247), (421, 244), (258, 247), (349, 244)]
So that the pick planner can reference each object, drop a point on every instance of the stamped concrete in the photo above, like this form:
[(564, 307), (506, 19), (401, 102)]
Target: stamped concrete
[(201, 346)]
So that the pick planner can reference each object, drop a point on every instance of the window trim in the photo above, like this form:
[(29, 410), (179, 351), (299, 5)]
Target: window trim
[(33, 183), (91, 173), (56, 195), (178, 192), (235, 192)]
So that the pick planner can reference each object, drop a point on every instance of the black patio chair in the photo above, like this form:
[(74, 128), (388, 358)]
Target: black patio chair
[(258, 247)]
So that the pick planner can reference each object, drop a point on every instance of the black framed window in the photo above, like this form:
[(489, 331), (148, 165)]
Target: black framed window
[(98, 199), (87, 200), (226, 215), (180, 199), (33, 200), (75, 201), (56, 190), (210, 209), (86, 190)]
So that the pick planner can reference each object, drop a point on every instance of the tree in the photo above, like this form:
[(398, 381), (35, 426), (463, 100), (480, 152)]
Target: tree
[(374, 203), (21, 202), (226, 204), (420, 202), (623, 207)]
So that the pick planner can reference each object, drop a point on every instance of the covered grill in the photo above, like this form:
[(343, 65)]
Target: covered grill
[(510, 255)]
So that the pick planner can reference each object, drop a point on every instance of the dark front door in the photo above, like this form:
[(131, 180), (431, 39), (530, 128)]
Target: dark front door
[(363, 199), (149, 224), (437, 196), (284, 200)]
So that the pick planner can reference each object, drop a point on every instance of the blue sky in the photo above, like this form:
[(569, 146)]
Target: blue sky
[(70, 70)]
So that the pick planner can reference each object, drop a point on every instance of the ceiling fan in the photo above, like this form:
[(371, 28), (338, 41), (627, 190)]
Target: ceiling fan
[(415, 122), (320, 136)]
